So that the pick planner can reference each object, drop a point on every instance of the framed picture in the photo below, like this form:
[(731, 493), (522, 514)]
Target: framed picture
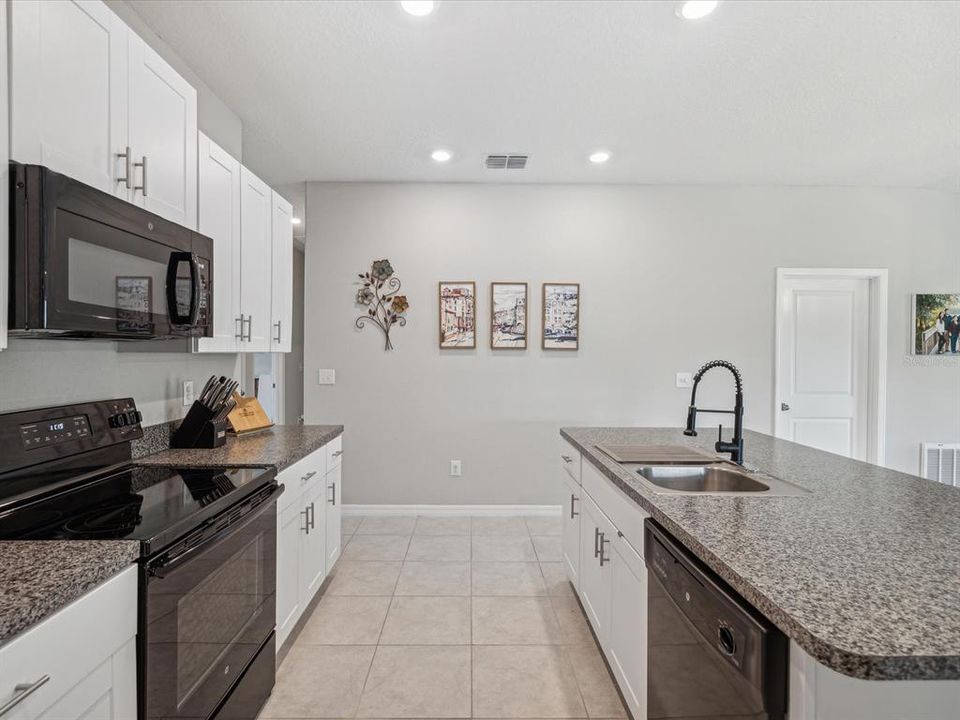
[(561, 316), (936, 324), (134, 297), (508, 316), (458, 315)]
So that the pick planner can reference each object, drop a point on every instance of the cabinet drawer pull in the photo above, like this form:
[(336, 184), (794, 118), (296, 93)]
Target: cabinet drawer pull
[(22, 692), (567, 458), (338, 453), (573, 513), (127, 178), (603, 557), (142, 187), (306, 477)]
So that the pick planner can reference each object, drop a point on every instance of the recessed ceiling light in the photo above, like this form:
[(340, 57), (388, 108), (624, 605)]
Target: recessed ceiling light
[(295, 221), (599, 157), (441, 156), (696, 9), (418, 8)]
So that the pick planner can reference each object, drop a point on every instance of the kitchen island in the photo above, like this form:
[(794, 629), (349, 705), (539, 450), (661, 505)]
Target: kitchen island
[(862, 573)]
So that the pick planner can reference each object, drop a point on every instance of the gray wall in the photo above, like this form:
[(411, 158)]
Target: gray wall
[(34, 373), (671, 277), (293, 360)]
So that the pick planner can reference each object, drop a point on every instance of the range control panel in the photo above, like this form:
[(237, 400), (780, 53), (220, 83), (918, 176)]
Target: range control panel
[(58, 430)]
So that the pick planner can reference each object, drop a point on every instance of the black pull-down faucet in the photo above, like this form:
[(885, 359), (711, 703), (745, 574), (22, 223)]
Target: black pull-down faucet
[(735, 446)]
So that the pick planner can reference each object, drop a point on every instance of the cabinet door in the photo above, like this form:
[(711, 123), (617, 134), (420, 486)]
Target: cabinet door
[(68, 89), (570, 540), (313, 556), (163, 136), (281, 305), (291, 525), (333, 516), (255, 261), (594, 576), (218, 197), (4, 181), (627, 647)]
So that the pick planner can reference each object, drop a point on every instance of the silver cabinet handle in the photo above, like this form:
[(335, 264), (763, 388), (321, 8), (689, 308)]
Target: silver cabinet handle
[(573, 513), (277, 339), (307, 476), (333, 500), (603, 541), (306, 519), (338, 453), (249, 322), (127, 178), (313, 517), (239, 335), (22, 692), (142, 187), (567, 458), (596, 542)]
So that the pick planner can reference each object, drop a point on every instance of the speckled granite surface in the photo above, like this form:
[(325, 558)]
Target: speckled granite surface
[(38, 577), (864, 573), (280, 446), (155, 438)]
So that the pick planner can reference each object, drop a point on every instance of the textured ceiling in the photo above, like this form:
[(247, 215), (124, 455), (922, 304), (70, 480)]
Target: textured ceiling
[(812, 93)]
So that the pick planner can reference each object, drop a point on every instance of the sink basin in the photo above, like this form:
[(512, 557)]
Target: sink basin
[(704, 479), (711, 478)]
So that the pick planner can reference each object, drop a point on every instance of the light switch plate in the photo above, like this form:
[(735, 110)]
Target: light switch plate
[(326, 377), (684, 380), (187, 393)]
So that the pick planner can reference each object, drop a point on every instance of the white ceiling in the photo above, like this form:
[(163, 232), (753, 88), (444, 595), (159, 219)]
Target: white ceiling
[(812, 93)]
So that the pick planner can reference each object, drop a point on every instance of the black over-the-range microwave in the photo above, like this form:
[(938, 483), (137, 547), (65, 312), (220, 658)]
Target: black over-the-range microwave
[(86, 264)]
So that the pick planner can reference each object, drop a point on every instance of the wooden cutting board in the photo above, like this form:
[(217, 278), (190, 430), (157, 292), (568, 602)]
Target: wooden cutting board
[(654, 454)]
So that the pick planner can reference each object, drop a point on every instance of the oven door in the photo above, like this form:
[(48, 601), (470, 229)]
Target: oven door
[(87, 264), (207, 612)]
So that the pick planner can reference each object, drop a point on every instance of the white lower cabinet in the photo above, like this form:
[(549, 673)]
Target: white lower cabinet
[(308, 516), (570, 537), (627, 646), (595, 531), (82, 660)]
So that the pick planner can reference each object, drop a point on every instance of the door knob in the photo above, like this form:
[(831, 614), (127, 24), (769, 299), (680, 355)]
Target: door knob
[(784, 407)]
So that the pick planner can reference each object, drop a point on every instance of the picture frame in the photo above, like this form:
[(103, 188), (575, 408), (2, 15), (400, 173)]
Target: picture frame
[(457, 303), (134, 301), (560, 316), (508, 315), (936, 324)]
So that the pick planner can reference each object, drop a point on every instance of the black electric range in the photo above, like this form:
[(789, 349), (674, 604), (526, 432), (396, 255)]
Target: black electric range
[(207, 549)]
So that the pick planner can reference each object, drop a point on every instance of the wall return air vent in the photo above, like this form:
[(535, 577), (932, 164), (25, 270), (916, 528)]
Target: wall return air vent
[(940, 462), (505, 162)]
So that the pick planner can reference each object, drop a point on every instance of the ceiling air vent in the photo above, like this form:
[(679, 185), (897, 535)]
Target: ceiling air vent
[(506, 162)]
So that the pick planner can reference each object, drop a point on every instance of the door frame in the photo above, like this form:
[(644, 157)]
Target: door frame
[(876, 343)]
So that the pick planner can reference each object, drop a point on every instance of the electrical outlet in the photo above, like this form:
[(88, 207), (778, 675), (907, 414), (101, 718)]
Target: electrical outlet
[(326, 377), (684, 380), (456, 469), (187, 393)]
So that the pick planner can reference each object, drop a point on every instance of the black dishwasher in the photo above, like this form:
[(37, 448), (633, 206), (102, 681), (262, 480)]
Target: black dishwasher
[(710, 655)]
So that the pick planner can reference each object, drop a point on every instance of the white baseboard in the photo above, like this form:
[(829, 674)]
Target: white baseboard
[(451, 510)]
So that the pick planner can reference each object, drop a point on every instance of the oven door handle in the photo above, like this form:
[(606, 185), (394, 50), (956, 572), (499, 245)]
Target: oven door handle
[(177, 318), (165, 565)]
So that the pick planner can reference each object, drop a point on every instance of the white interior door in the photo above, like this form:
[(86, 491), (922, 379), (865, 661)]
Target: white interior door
[(824, 364)]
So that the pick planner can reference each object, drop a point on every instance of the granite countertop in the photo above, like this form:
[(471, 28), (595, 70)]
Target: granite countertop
[(280, 446), (38, 577), (863, 573)]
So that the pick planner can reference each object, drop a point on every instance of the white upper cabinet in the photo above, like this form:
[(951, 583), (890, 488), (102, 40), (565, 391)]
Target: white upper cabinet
[(282, 287), (163, 136), (256, 223), (68, 88), (91, 100), (218, 201)]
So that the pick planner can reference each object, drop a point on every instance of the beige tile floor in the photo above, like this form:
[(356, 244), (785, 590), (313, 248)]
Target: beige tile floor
[(446, 617)]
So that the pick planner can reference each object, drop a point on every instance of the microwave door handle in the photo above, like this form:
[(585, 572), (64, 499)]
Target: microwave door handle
[(165, 566), (177, 318)]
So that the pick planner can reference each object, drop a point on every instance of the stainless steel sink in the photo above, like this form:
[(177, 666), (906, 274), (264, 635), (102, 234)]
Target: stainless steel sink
[(720, 478)]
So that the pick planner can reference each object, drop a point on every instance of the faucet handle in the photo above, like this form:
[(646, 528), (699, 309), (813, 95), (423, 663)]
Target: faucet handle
[(719, 433)]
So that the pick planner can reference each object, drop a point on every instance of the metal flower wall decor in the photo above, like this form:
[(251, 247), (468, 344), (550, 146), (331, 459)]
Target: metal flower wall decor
[(378, 291)]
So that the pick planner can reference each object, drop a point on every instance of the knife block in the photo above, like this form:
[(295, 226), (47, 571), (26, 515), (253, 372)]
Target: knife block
[(198, 429)]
